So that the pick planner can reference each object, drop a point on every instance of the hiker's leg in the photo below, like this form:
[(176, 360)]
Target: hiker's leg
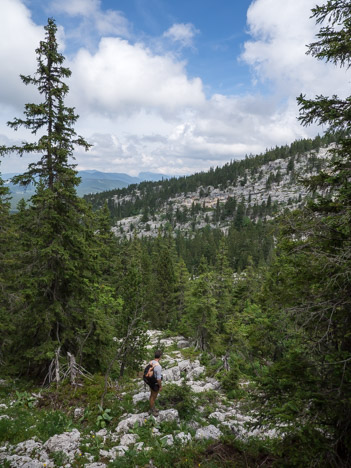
[(153, 396)]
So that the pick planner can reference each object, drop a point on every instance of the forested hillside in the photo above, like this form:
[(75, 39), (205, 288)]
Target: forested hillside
[(259, 291)]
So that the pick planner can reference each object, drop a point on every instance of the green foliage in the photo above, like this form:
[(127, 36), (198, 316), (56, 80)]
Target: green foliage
[(25, 423), (179, 397), (104, 417), (25, 399)]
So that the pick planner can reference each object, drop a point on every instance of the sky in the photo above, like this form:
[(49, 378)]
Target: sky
[(168, 86)]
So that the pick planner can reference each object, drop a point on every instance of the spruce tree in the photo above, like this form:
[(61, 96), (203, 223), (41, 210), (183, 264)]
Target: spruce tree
[(62, 305), (310, 279)]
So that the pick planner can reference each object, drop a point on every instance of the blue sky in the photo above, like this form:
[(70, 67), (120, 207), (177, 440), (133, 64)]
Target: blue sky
[(169, 86)]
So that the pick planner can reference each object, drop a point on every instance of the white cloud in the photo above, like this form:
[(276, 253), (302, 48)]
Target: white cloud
[(19, 39), (277, 51), (141, 110), (121, 78), (109, 22), (77, 7), (182, 33)]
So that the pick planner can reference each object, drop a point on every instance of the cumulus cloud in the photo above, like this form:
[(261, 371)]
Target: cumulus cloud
[(142, 111), (19, 39), (277, 50), (121, 78), (182, 34)]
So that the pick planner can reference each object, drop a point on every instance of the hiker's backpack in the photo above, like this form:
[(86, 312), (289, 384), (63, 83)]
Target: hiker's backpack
[(148, 376)]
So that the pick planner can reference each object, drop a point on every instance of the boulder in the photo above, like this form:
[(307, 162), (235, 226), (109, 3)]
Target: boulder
[(171, 374), (217, 415), (208, 432), (114, 452), (28, 447), (183, 344), (68, 443), (166, 342), (78, 413), (196, 388), (130, 420), (128, 439), (167, 440), (183, 438), (102, 433), (168, 415), (196, 372), (142, 396), (17, 461), (184, 365)]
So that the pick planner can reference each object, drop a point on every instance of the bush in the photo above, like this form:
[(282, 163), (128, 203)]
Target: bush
[(180, 398)]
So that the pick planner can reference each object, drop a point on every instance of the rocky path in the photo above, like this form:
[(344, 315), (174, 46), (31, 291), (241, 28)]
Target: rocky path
[(116, 441)]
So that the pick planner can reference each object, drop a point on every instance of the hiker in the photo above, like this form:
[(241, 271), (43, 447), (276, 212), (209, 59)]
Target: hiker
[(153, 378)]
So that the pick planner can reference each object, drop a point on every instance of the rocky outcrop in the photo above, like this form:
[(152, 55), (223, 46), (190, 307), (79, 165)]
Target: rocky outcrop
[(116, 441)]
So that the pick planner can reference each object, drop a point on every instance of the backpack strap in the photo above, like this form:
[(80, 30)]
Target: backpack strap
[(152, 368)]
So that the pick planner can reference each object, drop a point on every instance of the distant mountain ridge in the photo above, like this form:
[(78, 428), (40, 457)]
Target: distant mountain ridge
[(92, 181), (255, 188)]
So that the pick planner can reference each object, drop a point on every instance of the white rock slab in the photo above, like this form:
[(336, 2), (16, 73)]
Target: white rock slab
[(128, 439), (169, 415), (217, 415), (196, 372), (130, 420), (68, 443), (95, 465), (183, 438), (142, 396), (208, 432), (167, 440)]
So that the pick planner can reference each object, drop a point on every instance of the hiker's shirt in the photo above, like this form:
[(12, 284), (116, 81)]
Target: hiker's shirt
[(157, 370)]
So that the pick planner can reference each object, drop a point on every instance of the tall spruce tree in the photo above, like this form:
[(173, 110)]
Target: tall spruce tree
[(7, 238), (62, 306), (311, 279)]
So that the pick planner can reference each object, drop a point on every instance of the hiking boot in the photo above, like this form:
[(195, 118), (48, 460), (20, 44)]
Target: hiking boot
[(153, 412)]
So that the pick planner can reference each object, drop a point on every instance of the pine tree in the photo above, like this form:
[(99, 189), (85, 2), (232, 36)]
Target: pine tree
[(62, 305), (51, 117), (7, 241), (312, 376)]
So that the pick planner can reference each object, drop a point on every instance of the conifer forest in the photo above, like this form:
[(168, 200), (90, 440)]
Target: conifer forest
[(263, 307)]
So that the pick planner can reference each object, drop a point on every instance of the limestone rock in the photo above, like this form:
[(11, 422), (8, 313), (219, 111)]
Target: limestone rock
[(196, 372), (217, 415), (167, 440), (142, 396), (183, 438), (168, 415), (128, 439), (68, 443), (183, 344), (208, 432), (184, 365), (28, 447), (114, 452), (95, 465), (130, 420), (171, 374), (78, 413)]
